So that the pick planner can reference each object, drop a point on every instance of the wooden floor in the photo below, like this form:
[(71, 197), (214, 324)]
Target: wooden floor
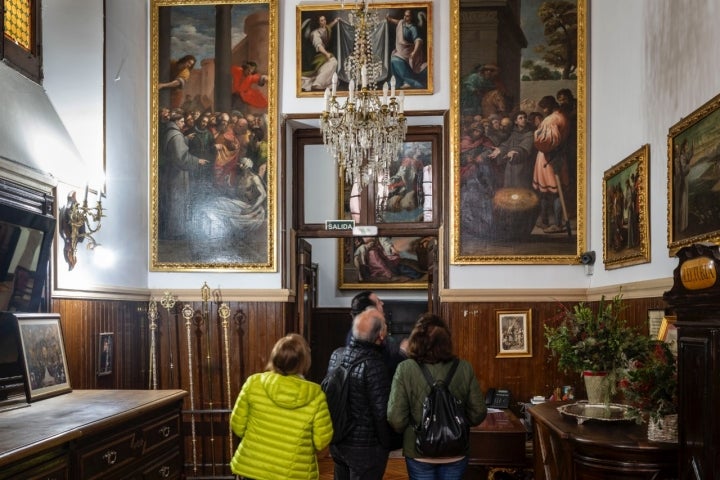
[(396, 469)]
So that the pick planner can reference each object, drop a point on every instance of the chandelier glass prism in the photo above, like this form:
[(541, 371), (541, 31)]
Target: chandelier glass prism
[(365, 133)]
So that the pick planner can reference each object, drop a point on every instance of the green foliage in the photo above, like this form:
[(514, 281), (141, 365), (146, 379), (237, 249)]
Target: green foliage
[(650, 383), (583, 340)]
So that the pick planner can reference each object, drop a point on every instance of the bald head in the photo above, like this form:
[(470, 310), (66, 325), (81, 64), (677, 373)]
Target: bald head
[(369, 325)]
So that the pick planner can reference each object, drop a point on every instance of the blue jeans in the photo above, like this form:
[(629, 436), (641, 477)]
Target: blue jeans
[(435, 471)]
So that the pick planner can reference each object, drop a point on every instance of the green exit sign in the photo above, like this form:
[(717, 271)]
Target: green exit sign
[(339, 224)]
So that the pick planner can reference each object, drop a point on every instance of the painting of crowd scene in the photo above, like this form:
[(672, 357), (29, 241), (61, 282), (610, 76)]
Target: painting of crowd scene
[(694, 178), (519, 154), (213, 164), (625, 211), (401, 40), (385, 262)]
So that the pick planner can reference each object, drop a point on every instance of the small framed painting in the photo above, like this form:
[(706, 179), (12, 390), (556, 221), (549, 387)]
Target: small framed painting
[(105, 354), (44, 352), (626, 238), (514, 333)]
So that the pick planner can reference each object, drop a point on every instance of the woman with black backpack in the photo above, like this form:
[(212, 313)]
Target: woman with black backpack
[(432, 375)]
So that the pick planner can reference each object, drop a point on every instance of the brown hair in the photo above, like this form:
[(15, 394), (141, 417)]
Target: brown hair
[(430, 340), (290, 356)]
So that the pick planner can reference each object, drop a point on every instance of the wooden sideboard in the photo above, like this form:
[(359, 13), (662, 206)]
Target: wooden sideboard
[(594, 450), (95, 434)]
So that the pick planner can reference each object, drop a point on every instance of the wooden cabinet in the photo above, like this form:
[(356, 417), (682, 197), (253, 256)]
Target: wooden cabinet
[(565, 450), (498, 441), (695, 301), (95, 434)]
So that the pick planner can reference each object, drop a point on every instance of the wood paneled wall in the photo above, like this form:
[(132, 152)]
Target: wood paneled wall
[(475, 338), (253, 329)]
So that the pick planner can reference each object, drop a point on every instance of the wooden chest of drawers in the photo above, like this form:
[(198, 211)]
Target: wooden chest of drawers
[(95, 434)]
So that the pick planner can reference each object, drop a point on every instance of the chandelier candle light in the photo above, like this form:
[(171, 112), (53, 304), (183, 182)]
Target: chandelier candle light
[(366, 133)]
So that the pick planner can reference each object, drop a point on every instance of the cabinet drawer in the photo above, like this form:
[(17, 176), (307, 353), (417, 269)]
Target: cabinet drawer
[(55, 469), (161, 432), (169, 467), (108, 457)]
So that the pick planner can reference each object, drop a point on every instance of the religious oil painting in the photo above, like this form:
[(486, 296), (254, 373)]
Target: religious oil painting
[(694, 178), (626, 220), (44, 353), (517, 132), (213, 139), (411, 193), (514, 333), (401, 36), (396, 262)]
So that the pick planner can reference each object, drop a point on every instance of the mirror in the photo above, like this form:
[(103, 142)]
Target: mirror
[(26, 235)]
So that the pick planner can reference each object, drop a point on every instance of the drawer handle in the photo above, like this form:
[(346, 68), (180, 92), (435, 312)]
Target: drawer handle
[(110, 457), (164, 431), (164, 471)]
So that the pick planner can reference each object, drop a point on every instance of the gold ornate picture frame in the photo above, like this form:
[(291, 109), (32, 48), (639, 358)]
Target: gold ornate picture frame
[(626, 208), (325, 38), (507, 207), (514, 329), (385, 262), (213, 135), (693, 199)]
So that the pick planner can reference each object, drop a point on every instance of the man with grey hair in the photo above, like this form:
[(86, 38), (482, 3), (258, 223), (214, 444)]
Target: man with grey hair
[(363, 452)]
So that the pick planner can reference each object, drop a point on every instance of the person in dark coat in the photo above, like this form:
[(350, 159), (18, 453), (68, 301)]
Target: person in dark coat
[(363, 453)]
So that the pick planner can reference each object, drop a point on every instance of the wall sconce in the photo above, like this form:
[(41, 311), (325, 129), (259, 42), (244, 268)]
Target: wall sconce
[(78, 222)]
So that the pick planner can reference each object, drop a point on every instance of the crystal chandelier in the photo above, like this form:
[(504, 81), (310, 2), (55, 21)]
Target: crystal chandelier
[(366, 132)]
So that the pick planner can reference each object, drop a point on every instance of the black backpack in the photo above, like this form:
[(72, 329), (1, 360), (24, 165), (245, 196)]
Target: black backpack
[(443, 430), (337, 388)]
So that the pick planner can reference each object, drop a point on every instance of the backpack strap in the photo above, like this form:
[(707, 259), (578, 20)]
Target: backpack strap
[(431, 380)]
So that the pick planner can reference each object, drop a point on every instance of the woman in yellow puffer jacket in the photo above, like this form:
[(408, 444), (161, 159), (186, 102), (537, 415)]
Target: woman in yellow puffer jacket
[(282, 419)]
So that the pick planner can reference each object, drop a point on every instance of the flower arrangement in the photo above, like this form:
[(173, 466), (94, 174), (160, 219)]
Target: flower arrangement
[(584, 340), (649, 385)]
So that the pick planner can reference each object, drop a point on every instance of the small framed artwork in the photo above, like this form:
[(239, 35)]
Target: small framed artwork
[(693, 198), (514, 333), (626, 239), (402, 44), (385, 262), (44, 353), (105, 354), (668, 333), (655, 320)]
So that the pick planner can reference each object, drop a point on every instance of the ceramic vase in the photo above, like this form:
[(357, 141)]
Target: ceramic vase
[(597, 387)]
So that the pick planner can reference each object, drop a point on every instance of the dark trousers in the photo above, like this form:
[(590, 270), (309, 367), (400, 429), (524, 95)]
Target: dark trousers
[(359, 463)]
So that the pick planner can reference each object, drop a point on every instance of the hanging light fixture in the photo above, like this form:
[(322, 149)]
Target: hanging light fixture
[(366, 132)]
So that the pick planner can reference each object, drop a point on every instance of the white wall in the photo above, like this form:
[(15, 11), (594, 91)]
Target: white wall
[(651, 63)]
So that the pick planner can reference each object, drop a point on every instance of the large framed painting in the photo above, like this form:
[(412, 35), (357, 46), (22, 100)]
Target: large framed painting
[(373, 263), (402, 44), (213, 135), (693, 176), (410, 197), (517, 134), (626, 219)]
